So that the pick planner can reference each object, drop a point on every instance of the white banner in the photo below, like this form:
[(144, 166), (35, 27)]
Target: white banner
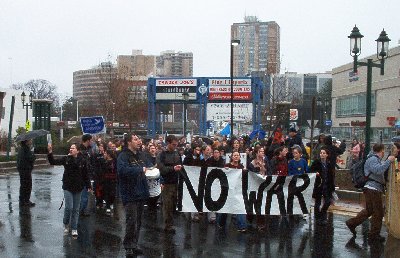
[(233, 191), (222, 111)]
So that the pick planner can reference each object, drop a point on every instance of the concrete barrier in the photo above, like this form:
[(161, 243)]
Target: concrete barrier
[(11, 166), (392, 213)]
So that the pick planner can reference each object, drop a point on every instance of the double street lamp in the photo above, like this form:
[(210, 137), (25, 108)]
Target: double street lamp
[(382, 48), (234, 42), (27, 104)]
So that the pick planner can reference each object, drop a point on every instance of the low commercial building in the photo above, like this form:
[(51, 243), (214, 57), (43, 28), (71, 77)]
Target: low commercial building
[(349, 99)]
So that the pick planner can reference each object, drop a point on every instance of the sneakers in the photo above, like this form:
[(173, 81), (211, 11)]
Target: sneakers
[(74, 233), (108, 212), (305, 216), (66, 229), (352, 228)]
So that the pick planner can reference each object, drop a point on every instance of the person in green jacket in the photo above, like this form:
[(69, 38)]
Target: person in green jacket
[(25, 161)]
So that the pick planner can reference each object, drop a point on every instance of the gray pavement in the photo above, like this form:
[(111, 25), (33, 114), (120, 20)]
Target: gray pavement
[(38, 232)]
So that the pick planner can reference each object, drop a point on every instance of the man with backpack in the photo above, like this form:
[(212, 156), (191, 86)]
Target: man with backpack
[(373, 189)]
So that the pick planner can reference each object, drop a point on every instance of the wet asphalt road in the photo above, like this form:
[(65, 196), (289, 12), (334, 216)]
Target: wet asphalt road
[(38, 232)]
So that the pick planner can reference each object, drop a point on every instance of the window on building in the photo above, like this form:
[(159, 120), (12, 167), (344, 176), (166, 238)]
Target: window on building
[(354, 105)]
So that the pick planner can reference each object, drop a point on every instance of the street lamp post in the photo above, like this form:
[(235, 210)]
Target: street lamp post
[(234, 42), (382, 53), (28, 104), (185, 97), (162, 121), (312, 122)]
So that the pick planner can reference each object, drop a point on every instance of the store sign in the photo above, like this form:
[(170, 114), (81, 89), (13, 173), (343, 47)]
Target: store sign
[(172, 89), (358, 123), (294, 114), (220, 89)]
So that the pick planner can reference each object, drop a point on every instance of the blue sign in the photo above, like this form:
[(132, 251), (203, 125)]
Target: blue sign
[(93, 125), (328, 122)]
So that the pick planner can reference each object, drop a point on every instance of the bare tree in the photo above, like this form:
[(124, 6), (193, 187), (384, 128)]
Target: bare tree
[(282, 95), (41, 89)]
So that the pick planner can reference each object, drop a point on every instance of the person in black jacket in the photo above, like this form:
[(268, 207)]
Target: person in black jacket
[(75, 178), (131, 167), (333, 150), (25, 161), (216, 160), (324, 184), (170, 164), (294, 139)]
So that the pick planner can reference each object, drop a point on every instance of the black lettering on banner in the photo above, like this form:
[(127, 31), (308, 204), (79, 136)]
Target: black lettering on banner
[(197, 199), (254, 199), (293, 190), (209, 202), (277, 189)]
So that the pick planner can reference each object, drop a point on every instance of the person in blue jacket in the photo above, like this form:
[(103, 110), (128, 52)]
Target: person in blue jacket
[(131, 167), (298, 166)]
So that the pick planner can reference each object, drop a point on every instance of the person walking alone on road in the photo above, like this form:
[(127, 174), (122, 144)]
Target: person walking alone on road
[(373, 190), (25, 161), (75, 178), (131, 167)]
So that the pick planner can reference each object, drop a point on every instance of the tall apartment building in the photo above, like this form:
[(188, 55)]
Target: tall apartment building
[(92, 86), (259, 48), (136, 66), (175, 64)]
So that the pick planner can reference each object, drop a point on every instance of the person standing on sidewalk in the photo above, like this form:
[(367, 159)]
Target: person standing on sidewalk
[(169, 163), (373, 190), (25, 161), (75, 179), (131, 167)]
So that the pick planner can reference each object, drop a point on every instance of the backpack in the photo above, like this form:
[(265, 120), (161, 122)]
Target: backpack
[(357, 174)]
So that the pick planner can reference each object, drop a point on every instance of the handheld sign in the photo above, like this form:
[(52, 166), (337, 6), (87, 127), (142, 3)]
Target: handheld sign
[(93, 125)]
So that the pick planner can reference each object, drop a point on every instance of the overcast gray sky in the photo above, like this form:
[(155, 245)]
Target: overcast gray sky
[(50, 39)]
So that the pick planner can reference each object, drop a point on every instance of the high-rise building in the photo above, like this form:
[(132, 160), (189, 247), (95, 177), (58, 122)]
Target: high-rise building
[(136, 66), (91, 87), (259, 48), (175, 64)]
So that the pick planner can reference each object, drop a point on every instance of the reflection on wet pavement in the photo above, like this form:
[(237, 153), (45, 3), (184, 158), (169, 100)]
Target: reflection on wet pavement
[(38, 232)]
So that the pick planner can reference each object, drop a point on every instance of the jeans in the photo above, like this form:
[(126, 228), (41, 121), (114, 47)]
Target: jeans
[(71, 211), (241, 221), (221, 219), (84, 199), (133, 213)]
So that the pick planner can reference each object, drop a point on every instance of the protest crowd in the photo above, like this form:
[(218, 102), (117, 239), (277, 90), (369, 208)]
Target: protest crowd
[(144, 174)]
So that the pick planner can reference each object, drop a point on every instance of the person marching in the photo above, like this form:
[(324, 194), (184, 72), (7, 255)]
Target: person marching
[(298, 166), (169, 163), (374, 188), (75, 178), (134, 191), (324, 185)]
